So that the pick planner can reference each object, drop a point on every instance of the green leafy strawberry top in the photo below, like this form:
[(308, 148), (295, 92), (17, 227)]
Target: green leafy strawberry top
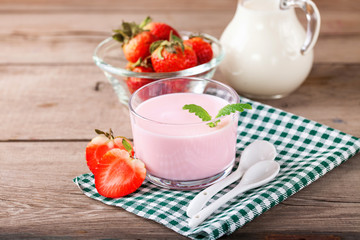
[(110, 135), (129, 30), (170, 46)]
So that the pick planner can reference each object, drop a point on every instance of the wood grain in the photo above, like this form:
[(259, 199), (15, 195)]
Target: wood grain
[(145, 5), (114, 5), (33, 24), (69, 102), (58, 102), (77, 47), (43, 38)]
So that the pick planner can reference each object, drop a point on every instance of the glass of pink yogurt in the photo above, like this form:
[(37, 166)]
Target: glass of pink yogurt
[(180, 151)]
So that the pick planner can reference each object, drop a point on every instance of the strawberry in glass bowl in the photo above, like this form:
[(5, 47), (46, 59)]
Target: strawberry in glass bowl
[(138, 54)]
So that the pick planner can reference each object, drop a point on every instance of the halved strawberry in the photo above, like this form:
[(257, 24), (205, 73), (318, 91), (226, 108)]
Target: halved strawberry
[(118, 174), (100, 144)]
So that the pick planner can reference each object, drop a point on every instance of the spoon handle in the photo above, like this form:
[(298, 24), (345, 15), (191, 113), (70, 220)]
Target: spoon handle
[(207, 211), (200, 200), (256, 176)]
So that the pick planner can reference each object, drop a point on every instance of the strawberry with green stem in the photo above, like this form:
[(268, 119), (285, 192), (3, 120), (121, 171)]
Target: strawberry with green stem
[(135, 40), (101, 144), (172, 55)]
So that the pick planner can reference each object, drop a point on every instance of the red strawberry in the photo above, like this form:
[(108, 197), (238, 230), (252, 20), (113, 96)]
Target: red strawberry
[(135, 41), (160, 30), (99, 145), (135, 83), (172, 55), (118, 174), (138, 46), (202, 49)]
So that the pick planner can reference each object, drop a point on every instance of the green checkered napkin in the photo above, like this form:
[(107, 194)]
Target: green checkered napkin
[(306, 151)]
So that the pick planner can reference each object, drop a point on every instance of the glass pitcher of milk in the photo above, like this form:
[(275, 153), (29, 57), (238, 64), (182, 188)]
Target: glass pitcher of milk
[(268, 52)]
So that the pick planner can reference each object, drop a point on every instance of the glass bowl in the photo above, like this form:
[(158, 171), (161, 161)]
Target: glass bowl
[(109, 57)]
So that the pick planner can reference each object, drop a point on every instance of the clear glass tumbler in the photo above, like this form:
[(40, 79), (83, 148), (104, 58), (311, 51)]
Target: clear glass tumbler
[(180, 151)]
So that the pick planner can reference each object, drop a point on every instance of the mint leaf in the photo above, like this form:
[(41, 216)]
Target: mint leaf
[(199, 111), (231, 108), (227, 110), (213, 124)]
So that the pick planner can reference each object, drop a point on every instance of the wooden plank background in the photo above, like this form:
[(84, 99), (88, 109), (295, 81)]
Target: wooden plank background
[(52, 96)]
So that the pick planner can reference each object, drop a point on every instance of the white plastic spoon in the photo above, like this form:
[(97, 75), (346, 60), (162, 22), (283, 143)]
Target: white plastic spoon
[(257, 175), (257, 151)]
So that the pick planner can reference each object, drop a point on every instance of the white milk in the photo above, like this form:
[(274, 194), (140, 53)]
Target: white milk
[(262, 44)]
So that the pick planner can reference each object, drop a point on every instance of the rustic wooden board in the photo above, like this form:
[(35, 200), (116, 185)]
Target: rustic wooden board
[(212, 22), (77, 46), (58, 102), (147, 6), (114, 5), (68, 102), (40, 38), (38, 194)]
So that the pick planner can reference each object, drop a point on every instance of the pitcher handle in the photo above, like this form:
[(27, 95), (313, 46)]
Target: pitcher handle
[(313, 21)]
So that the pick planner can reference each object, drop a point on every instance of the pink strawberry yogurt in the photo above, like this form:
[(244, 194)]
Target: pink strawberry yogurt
[(177, 145)]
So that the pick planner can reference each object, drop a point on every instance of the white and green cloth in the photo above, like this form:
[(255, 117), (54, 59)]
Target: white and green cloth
[(306, 151)]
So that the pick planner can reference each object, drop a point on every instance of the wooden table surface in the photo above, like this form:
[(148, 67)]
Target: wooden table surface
[(52, 97)]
